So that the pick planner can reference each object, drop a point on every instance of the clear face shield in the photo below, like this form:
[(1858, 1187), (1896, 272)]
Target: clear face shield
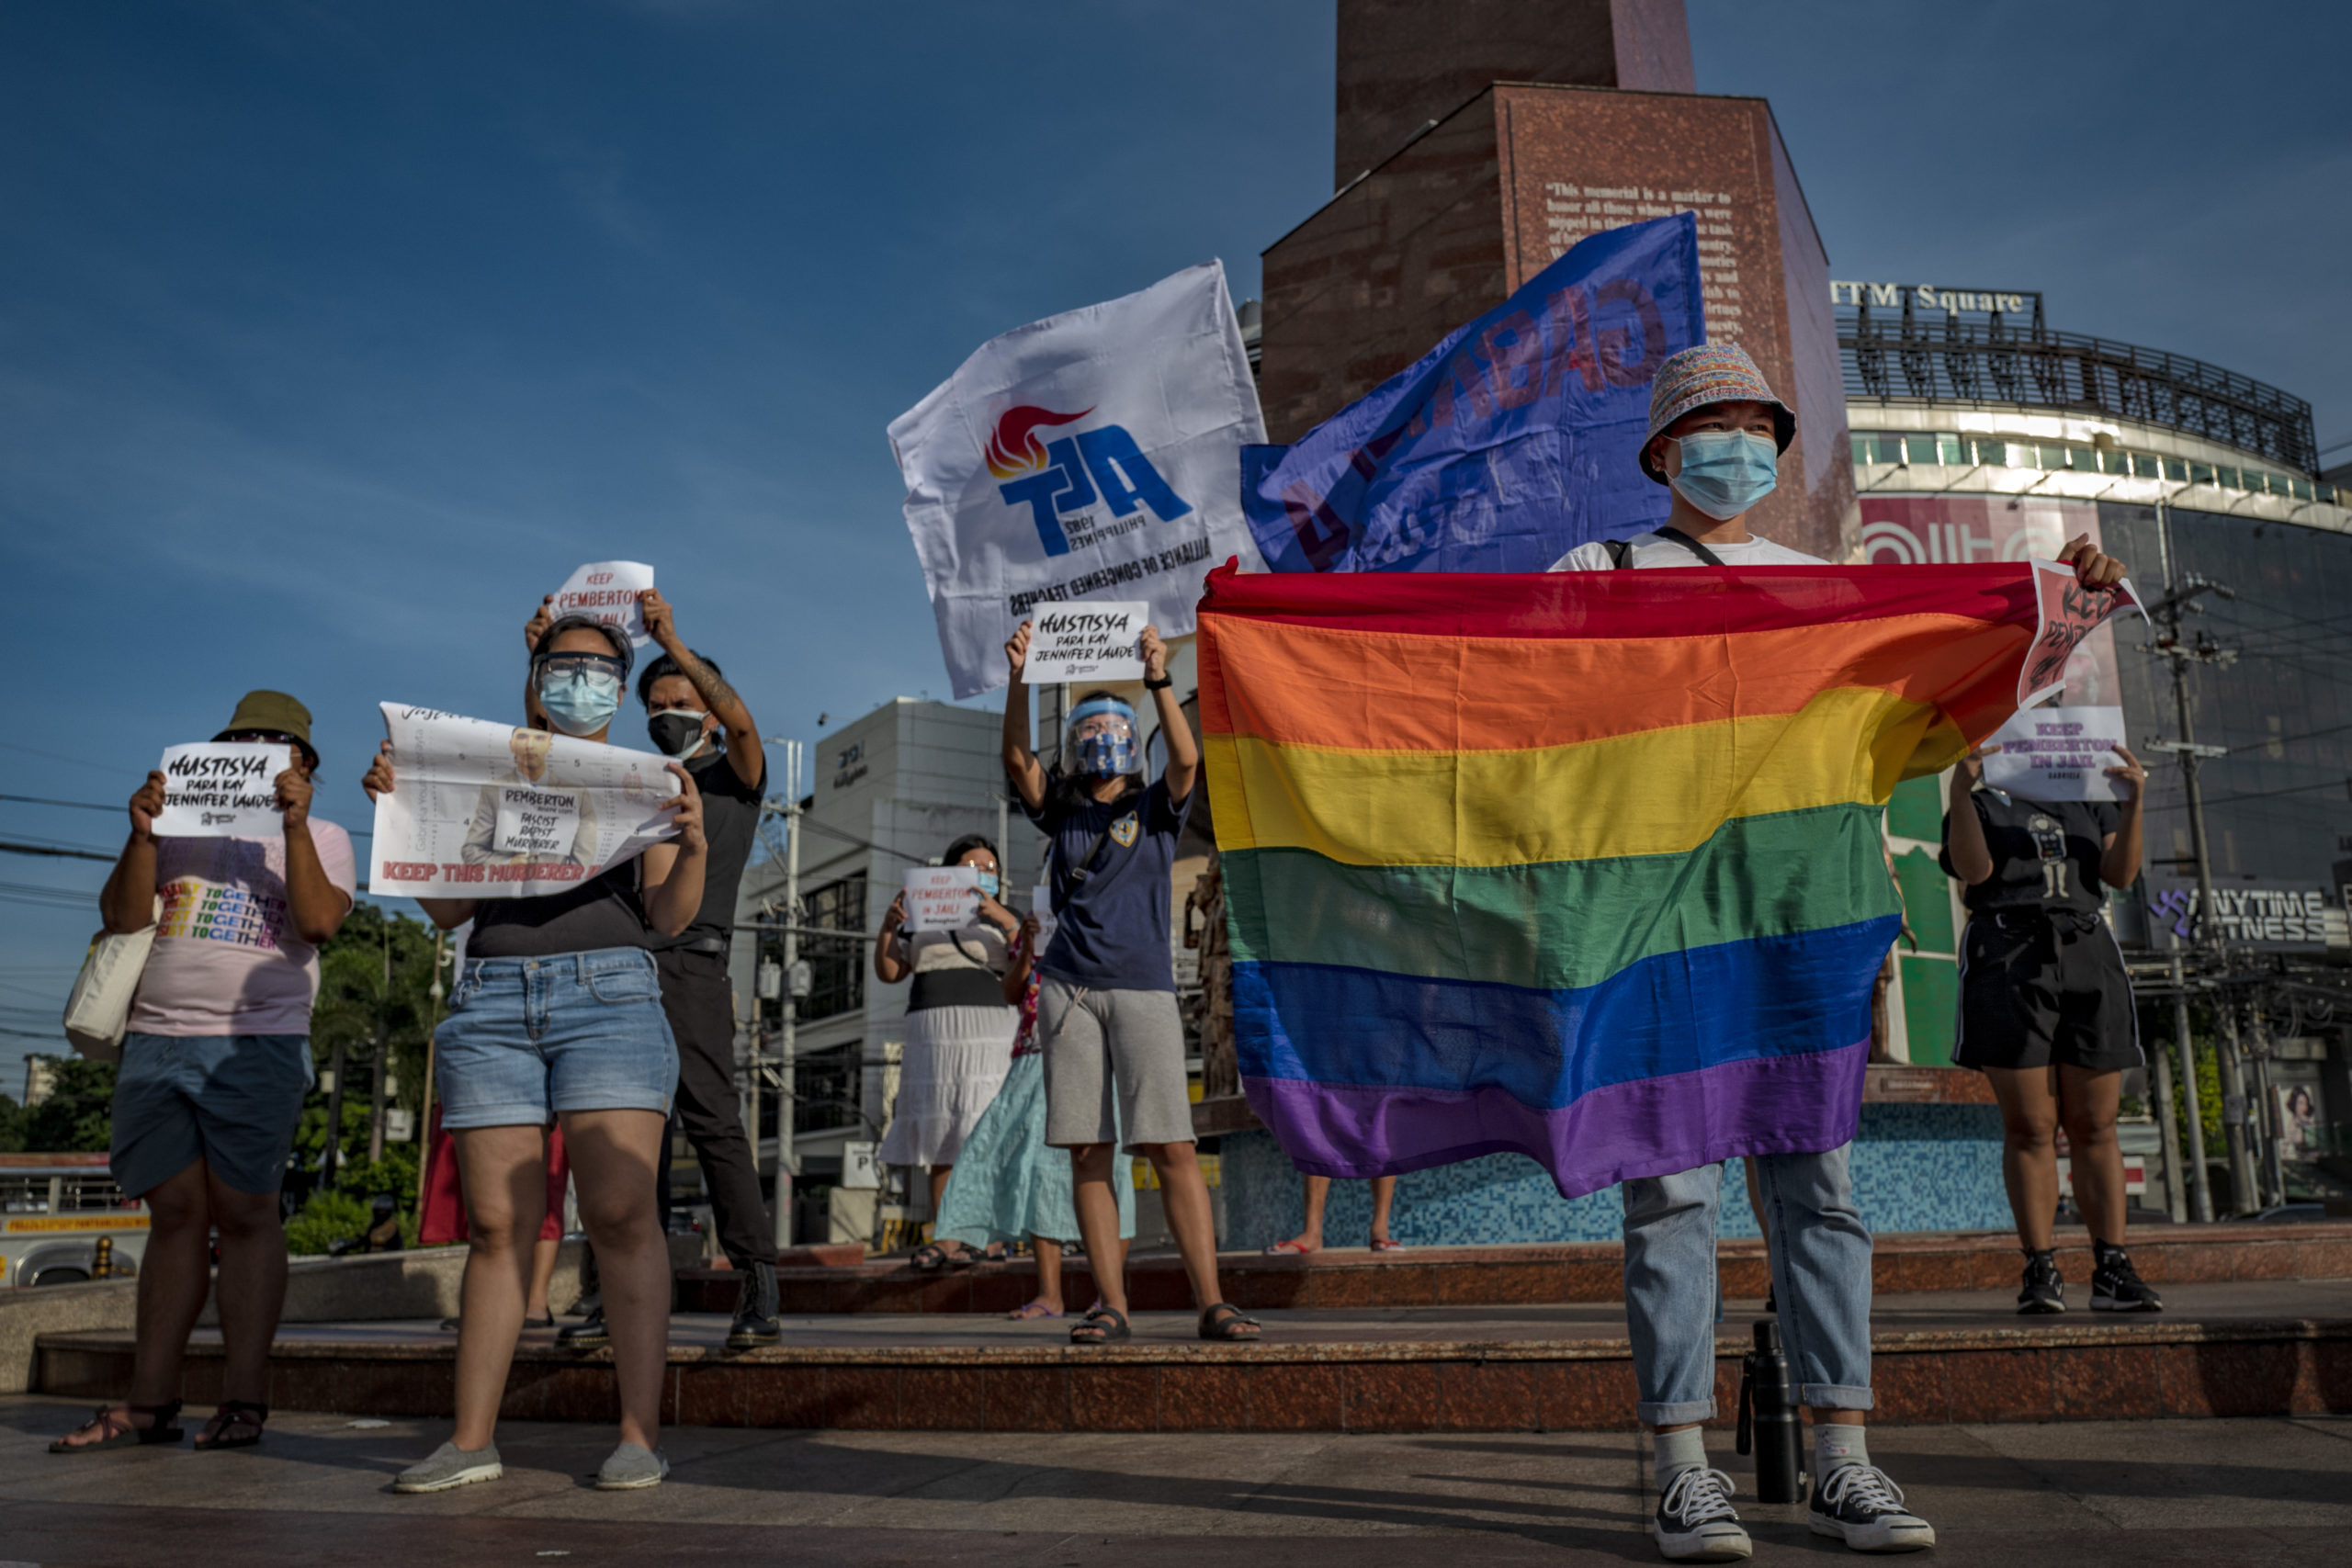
[(1100, 739)]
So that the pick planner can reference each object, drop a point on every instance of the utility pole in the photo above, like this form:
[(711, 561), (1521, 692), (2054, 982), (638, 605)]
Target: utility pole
[(383, 1051), (752, 1062), (2200, 1183), (2266, 1107), (440, 993), (332, 1156), (2175, 1178), (2181, 591), (786, 1160)]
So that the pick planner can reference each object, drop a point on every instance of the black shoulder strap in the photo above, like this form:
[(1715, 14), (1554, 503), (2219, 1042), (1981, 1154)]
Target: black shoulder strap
[(1085, 867), (1706, 556), (1621, 553)]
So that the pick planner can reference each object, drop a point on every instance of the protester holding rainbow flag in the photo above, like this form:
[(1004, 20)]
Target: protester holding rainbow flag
[(1590, 867)]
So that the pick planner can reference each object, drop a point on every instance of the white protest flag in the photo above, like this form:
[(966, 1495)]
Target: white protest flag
[(2057, 753), (223, 789), (942, 897), (1087, 642), (607, 590), (1094, 453), (482, 810)]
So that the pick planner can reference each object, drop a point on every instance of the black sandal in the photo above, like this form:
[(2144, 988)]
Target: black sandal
[(1101, 1326), (929, 1258), (223, 1430), (1234, 1327), (164, 1427)]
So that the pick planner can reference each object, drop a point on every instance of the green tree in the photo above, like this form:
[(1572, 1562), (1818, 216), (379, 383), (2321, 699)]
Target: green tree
[(77, 1117), (12, 1126), (375, 988)]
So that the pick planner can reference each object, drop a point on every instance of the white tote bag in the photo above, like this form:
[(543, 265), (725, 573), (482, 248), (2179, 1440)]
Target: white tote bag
[(98, 1012)]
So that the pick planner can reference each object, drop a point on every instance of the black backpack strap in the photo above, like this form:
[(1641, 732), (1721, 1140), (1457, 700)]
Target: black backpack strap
[(1706, 556), (1621, 553)]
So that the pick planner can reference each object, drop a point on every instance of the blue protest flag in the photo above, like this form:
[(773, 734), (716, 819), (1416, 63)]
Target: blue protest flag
[(1508, 443)]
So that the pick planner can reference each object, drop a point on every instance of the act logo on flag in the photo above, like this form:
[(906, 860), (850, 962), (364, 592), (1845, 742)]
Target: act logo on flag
[(1065, 477)]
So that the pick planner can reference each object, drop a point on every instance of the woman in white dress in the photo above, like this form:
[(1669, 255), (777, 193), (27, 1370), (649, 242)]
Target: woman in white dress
[(959, 1032)]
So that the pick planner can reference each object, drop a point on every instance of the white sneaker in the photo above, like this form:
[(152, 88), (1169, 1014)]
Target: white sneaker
[(1860, 1506), (449, 1466), (1695, 1522)]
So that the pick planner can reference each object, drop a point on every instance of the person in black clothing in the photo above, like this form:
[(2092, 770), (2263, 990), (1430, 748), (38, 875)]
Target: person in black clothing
[(2046, 1010), (695, 718)]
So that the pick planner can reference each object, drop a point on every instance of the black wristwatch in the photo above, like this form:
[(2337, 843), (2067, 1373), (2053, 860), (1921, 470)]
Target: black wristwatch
[(1159, 686)]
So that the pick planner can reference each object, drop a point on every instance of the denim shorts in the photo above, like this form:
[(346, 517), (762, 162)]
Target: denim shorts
[(231, 1100), (528, 1037)]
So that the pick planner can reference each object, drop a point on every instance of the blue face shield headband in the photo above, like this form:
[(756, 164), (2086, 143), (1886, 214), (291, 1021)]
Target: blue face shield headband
[(1110, 750)]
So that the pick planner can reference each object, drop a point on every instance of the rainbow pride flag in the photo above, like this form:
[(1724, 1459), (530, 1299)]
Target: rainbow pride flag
[(1587, 866)]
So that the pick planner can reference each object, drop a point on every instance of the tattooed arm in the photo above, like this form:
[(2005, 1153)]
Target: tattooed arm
[(744, 749)]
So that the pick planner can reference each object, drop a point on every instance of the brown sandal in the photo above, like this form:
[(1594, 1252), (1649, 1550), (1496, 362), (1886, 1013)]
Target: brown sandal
[(163, 1428), (237, 1424)]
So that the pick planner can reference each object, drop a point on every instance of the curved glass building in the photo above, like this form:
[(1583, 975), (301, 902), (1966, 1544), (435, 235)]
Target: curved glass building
[(1981, 434)]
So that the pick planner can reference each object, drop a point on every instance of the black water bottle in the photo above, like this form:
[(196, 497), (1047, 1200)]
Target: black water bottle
[(1768, 1417)]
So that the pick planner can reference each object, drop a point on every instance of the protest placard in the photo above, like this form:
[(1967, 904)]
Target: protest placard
[(608, 590), (223, 789), (482, 810), (1086, 642), (534, 821), (2057, 753), (2069, 613), (942, 897)]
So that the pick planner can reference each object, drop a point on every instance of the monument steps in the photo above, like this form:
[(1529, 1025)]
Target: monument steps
[(1527, 1276)]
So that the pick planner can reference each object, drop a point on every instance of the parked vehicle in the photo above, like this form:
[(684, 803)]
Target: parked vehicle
[(55, 1209)]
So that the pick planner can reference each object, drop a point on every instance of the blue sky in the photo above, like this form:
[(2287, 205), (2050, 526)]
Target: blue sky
[(331, 337)]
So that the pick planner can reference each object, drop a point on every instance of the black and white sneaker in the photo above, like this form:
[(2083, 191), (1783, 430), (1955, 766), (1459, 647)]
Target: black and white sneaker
[(589, 1334), (2043, 1290), (2116, 1286), (1860, 1506), (1695, 1522)]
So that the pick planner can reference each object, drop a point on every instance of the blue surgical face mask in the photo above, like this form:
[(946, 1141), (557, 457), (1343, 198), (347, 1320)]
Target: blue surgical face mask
[(987, 883), (1725, 472), (580, 703)]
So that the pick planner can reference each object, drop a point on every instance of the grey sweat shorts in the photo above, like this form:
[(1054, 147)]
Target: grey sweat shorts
[(1098, 1040)]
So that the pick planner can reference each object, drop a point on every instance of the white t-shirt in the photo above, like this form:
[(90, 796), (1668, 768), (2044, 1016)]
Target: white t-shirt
[(1654, 550), (227, 959)]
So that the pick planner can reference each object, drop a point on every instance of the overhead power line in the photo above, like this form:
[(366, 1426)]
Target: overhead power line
[(75, 805), (55, 851)]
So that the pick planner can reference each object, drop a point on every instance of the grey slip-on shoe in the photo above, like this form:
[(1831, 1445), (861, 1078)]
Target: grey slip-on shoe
[(632, 1465), (449, 1466)]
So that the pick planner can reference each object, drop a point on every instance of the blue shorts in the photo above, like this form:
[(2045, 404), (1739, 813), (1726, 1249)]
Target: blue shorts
[(231, 1100), (528, 1037)]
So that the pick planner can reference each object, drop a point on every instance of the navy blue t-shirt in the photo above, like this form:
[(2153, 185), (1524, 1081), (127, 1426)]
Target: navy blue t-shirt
[(1112, 929)]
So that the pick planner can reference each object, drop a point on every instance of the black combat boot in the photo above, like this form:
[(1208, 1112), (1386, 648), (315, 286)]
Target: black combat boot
[(755, 1307)]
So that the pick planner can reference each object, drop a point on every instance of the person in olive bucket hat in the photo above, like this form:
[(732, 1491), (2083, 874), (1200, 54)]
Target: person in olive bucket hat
[(1716, 432), (215, 1064)]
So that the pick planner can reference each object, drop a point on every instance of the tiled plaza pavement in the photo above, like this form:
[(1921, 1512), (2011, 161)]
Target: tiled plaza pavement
[(2084, 1496)]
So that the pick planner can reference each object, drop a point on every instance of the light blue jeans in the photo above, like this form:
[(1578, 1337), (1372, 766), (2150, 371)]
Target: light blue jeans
[(1821, 1279)]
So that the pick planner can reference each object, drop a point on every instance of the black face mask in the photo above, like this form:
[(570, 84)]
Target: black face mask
[(677, 734)]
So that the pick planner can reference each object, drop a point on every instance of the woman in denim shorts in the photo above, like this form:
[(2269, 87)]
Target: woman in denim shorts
[(558, 1017)]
